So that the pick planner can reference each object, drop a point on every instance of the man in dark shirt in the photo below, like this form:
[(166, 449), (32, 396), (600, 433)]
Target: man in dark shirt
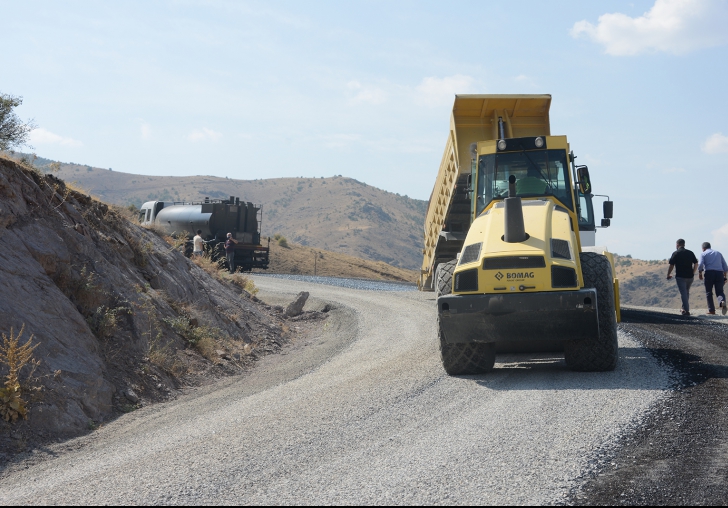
[(230, 251), (685, 264)]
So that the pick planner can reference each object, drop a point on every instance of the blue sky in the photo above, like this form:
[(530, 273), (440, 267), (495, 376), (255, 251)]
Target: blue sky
[(364, 89)]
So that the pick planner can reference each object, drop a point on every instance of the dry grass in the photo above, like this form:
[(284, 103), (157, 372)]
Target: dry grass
[(105, 320), (164, 356), (83, 288), (242, 281), (156, 229), (211, 267), (208, 265), (15, 357), (141, 249), (207, 347), (304, 260)]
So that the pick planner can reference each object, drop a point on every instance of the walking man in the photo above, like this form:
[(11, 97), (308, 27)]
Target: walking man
[(716, 271), (197, 244), (230, 251), (685, 265)]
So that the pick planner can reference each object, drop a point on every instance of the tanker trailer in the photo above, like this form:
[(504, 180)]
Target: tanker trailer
[(215, 218)]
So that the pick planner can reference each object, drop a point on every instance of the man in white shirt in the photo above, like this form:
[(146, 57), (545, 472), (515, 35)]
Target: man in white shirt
[(197, 244), (716, 271)]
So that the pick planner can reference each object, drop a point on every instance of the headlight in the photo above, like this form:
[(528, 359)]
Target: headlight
[(501, 144), (471, 253), (539, 142)]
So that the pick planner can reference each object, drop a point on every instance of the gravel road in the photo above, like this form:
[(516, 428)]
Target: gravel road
[(679, 455), (363, 414)]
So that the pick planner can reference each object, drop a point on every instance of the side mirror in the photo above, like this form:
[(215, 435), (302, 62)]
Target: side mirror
[(606, 223), (582, 173), (608, 209)]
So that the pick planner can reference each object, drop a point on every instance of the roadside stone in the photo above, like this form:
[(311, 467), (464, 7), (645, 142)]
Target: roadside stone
[(296, 306), (131, 396)]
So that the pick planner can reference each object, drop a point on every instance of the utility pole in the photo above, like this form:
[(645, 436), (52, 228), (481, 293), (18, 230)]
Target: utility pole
[(314, 263)]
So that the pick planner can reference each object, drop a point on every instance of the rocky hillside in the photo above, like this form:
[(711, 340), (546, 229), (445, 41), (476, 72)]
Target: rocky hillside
[(337, 214), (119, 316)]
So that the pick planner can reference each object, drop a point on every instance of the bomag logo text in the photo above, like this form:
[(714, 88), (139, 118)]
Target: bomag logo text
[(519, 275)]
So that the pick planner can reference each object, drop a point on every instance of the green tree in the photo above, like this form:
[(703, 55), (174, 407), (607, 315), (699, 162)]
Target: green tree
[(13, 131)]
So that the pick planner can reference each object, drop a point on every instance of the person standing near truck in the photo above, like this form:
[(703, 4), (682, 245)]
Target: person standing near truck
[(685, 265), (230, 251), (716, 270), (197, 244)]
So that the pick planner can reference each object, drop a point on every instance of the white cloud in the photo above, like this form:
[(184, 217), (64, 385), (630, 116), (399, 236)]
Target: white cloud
[(720, 237), (441, 91), (671, 171), (369, 94), (42, 136), (717, 143), (204, 134), (672, 26)]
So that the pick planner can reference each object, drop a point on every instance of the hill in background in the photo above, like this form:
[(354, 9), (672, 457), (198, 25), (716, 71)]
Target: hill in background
[(337, 214), (341, 215), (644, 284), (302, 260)]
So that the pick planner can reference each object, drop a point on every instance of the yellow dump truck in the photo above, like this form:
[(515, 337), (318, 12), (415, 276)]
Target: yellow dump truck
[(506, 235)]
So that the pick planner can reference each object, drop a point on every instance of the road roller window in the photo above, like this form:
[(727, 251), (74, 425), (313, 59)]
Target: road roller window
[(586, 213), (537, 172)]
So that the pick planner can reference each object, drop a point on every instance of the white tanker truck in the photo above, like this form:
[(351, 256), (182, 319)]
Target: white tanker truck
[(215, 218)]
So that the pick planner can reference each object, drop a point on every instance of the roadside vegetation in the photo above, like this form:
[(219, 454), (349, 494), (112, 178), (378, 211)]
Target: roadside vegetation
[(13, 131), (14, 357)]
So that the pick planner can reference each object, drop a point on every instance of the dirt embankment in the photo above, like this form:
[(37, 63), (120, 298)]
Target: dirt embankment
[(304, 260), (120, 317)]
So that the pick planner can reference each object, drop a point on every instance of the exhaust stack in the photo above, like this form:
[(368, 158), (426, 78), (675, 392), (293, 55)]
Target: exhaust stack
[(515, 229)]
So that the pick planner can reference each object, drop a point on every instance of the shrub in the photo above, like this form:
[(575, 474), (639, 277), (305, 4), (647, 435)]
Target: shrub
[(208, 265), (15, 357), (104, 320), (83, 290), (204, 338), (244, 282), (140, 249)]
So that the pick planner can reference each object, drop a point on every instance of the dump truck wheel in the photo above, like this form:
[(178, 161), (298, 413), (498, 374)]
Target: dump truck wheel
[(599, 353), (460, 359), (443, 277)]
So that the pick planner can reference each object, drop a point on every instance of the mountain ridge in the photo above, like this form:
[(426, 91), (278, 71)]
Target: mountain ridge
[(338, 213)]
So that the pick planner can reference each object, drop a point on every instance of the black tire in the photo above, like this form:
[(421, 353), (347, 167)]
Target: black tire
[(460, 359), (600, 353), (443, 277)]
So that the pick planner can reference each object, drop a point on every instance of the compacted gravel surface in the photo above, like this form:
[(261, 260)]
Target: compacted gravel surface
[(369, 285), (679, 454), (363, 414)]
